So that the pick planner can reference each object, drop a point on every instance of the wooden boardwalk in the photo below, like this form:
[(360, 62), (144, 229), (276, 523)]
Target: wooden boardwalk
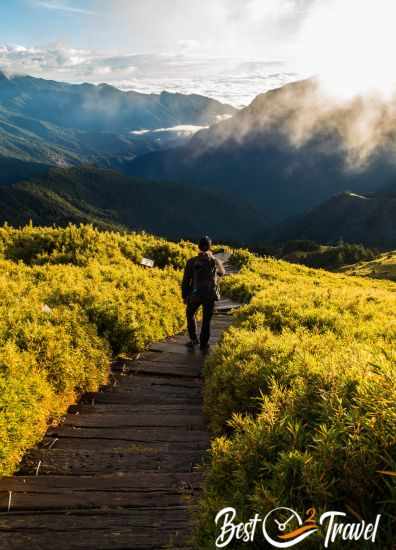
[(122, 471)]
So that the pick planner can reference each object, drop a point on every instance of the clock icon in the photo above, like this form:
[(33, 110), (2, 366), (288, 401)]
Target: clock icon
[(284, 528)]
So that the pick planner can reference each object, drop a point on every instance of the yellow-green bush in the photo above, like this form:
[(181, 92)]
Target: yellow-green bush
[(69, 300), (80, 245), (301, 396)]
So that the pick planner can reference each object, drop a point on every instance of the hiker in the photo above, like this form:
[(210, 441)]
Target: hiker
[(200, 288)]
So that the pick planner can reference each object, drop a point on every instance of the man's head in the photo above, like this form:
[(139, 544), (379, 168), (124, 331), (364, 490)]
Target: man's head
[(205, 244)]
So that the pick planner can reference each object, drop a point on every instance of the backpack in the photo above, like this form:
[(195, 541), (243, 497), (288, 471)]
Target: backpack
[(204, 282)]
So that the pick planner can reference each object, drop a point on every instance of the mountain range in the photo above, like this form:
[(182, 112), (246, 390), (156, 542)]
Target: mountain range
[(258, 156), (108, 200), (63, 124), (276, 170)]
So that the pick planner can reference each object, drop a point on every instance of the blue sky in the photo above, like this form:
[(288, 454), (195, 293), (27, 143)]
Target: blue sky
[(220, 26), (33, 23)]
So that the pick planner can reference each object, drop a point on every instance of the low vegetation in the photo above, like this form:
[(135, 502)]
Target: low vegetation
[(301, 399), (70, 299), (312, 254), (300, 393), (383, 266)]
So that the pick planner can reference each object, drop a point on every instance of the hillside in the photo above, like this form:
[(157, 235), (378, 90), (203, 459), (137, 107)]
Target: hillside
[(267, 156), (70, 300), (301, 399), (289, 421), (58, 123), (354, 217), (382, 267), (13, 170), (108, 199)]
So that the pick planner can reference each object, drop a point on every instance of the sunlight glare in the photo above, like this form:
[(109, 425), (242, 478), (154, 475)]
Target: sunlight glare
[(350, 45)]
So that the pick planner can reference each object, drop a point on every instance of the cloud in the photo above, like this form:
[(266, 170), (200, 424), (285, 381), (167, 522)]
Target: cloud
[(60, 6), (350, 45), (260, 28), (188, 46), (231, 80), (182, 130)]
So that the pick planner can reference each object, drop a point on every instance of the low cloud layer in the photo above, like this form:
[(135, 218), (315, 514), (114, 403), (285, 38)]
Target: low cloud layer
[(234, 81)]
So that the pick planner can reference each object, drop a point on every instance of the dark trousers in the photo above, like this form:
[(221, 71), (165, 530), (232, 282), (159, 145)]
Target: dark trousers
[(192, 308)]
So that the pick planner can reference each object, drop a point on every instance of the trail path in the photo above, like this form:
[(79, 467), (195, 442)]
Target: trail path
[(121, 471)]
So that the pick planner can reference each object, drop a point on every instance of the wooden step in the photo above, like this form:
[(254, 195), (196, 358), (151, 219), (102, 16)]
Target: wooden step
[(123, 470), (151, 395), (122, 421), (136, 435), (130, 408), (158, 368), (91, 462)]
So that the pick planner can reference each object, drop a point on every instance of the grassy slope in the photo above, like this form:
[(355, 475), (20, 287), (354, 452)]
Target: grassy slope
[(69, 300), (382, 267), (301, 396)]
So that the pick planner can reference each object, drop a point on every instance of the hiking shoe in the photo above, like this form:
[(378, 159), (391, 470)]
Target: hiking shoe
[(192, 343), (204, 347)]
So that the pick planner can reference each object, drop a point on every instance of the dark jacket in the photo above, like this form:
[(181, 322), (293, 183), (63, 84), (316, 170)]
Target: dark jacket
[(200, 277)]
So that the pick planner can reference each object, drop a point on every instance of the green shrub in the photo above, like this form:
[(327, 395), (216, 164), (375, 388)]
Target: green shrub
[(69, 300), (301, 398)]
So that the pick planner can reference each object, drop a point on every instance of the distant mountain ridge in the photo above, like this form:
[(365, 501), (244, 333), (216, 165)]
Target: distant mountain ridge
[(59, 124), (251, 156), (245, 166), (367, 218), (108, 200)]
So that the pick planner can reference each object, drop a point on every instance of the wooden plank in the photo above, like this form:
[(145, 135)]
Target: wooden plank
[(135, 420), (142, 435), (164, 369), (96, 539), (155, 385), (163, 357), (172, 517), (116, 445), (169, 347), (130, 408), (143, 481), (87, 462), (137, 397), (65, 499), (171, 382)]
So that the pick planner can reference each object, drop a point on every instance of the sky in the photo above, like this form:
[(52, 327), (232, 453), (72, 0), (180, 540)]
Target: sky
[(210, 27), (228, 49)]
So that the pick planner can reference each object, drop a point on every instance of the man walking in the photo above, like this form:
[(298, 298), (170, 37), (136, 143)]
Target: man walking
[(200, 288)]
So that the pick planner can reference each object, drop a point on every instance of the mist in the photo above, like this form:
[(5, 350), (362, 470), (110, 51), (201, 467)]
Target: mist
[(348, 104), (349, 46)]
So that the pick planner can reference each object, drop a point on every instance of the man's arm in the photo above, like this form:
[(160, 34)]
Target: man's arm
[(187, 281)]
